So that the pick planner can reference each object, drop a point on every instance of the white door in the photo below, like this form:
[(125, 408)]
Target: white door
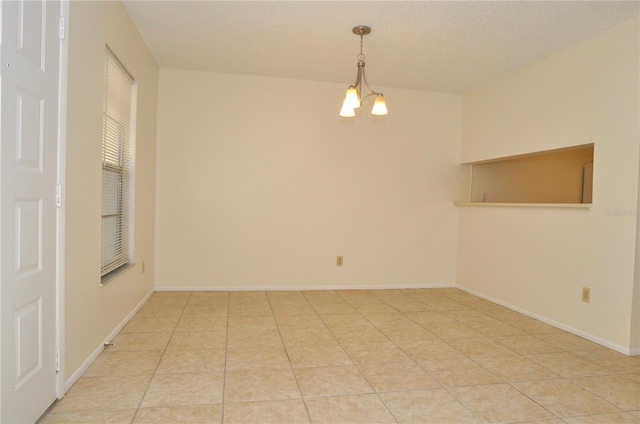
[(28, 171)]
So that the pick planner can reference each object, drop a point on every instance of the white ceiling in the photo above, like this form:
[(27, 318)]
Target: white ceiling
[(432, 45)]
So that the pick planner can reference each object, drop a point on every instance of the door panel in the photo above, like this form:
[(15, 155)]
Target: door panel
[(30, 110), (28, 177), (31, 30), (28, 250), (28, 341)]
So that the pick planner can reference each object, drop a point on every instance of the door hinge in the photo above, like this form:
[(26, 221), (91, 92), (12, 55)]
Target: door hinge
[(57, 361), (58, 195), (62, 27)]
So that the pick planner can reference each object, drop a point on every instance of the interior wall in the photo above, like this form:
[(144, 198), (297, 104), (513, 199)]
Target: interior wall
[(539, 259), (93, 311), (260, 184)]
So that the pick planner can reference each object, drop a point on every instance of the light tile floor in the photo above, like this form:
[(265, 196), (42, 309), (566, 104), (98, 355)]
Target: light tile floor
[(366, 356)]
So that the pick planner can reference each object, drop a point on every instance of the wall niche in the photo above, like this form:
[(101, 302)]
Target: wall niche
[(552, 176)]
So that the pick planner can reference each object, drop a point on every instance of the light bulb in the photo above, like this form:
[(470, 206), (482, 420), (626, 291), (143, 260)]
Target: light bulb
[(353, 98), (346, 110), (379, 107)]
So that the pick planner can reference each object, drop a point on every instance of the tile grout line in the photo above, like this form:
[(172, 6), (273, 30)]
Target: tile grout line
[(445, 388), (226, 347), (295, 376), (510, 383), (135, 414), (563, 378), (387, 337), (390, 340), (444, 340), (503, 381)]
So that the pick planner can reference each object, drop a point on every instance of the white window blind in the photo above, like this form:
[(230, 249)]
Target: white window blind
[(118, 162)]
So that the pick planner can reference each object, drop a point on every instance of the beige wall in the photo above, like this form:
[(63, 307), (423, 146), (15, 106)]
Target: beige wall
[(261, 184), (539, 259), (93, 312)]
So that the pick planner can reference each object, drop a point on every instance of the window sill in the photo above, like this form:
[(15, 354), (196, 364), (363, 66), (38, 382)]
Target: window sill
[(115, 273), (528, 205)]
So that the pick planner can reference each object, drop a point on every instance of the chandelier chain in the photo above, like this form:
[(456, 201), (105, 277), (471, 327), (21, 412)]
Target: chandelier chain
[(361, 57)]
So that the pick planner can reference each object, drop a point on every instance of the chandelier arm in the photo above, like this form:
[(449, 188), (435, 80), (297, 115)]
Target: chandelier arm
[(360, 75), (372, 92), (364, 78)]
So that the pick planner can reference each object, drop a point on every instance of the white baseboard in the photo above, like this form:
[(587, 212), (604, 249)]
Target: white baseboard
[(85, 365), (583, 334), (303, 287)]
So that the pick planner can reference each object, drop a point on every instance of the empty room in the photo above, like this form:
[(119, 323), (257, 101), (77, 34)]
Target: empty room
[(214, 212)]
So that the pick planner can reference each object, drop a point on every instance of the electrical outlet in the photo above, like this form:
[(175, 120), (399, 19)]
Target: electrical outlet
[(339, 261), (586, 294)]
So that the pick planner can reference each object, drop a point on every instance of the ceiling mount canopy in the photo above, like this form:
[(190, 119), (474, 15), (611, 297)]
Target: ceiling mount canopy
[(361, 30), (355, 97)]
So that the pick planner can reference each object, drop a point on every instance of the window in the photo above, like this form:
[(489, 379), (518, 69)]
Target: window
[(118, 163)]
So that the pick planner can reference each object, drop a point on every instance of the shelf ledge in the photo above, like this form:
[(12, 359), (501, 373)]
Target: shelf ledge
[(528, 205)]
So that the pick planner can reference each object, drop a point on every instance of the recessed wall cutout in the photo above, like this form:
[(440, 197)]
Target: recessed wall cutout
[(552, 176)]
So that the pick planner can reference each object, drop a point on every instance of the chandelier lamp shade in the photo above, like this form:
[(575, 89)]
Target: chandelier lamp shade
[(355, 96)]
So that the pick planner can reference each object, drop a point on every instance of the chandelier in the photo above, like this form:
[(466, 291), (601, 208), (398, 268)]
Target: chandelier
[(355, 96)]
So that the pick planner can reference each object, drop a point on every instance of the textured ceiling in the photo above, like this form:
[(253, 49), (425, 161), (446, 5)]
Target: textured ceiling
[(432, 45)]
